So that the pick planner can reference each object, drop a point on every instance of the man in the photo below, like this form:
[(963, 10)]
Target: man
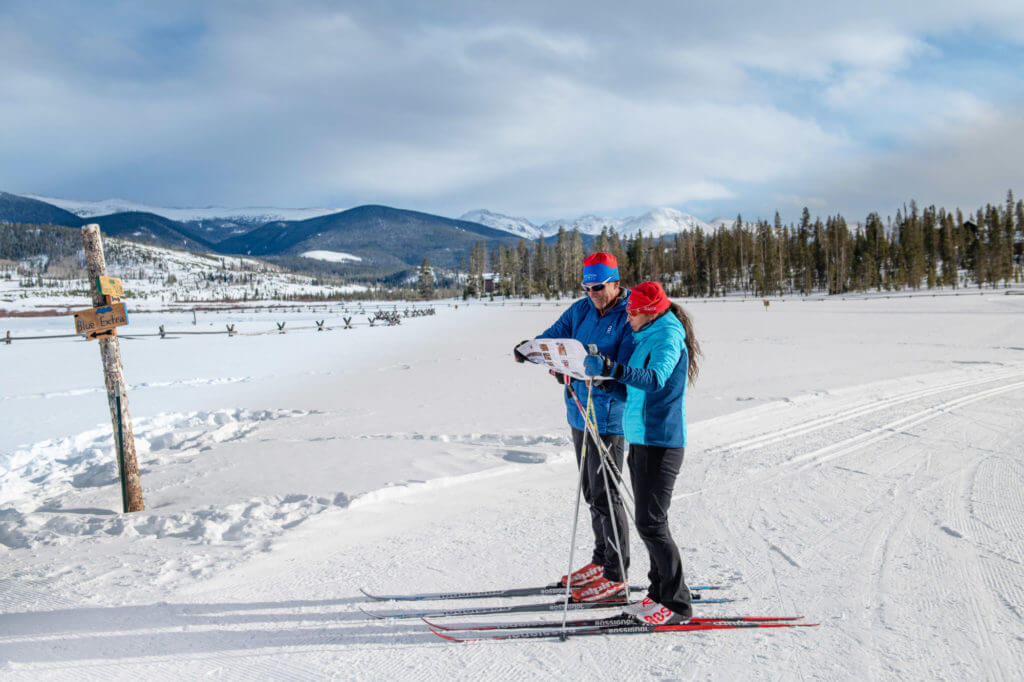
[(598, 319)]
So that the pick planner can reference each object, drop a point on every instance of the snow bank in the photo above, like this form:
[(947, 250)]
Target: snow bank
[(51, 467)]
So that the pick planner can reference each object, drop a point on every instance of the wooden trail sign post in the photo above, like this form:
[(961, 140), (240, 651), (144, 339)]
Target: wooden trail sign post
[(110, 286), (97, 322), (107, 315)]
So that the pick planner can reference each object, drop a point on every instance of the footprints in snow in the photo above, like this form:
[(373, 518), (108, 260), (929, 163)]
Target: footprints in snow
[(35, 478), (249, 524)]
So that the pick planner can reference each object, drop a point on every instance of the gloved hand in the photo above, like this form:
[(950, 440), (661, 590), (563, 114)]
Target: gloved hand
[(515, 351), (598, 365), (562, 379)]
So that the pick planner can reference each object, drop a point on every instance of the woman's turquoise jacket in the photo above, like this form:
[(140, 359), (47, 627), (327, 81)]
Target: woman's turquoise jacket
[(655, 378)]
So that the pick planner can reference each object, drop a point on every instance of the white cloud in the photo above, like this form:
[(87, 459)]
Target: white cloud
[(969, 164), (546, 108)]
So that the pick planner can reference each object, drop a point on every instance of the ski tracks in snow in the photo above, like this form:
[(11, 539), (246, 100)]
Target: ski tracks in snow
[(927, 495)]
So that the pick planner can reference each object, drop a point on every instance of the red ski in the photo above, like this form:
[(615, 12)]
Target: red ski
[(637, 629)]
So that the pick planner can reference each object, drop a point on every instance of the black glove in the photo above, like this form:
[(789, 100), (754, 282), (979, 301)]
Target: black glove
[(562, 379), (515, 351)]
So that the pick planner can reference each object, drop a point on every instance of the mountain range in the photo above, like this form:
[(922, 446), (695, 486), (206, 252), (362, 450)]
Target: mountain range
[(658, 222), (384, 239)]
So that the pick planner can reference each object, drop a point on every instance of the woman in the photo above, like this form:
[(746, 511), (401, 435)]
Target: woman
[(663, 362)]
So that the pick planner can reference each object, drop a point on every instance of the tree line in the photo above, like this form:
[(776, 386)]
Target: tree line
[(919, 248)]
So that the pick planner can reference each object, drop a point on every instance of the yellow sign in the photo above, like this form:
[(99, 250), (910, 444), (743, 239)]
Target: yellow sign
[(99, 321), (110, 286)]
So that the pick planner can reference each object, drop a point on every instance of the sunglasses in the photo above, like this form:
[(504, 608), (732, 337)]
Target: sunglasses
[(595, 287)]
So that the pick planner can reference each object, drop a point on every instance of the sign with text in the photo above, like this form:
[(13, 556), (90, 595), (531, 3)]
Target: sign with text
[(110, 286), (97, 321)]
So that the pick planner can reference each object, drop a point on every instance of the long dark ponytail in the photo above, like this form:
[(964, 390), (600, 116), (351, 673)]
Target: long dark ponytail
[(692, 346)]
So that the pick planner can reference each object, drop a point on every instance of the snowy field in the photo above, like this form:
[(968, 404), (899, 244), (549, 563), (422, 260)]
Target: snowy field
[(158, 279), (857, 462)]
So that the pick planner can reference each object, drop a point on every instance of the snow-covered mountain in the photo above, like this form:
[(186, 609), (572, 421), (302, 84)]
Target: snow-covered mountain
[(586, 224), (661, 221), (657, 222), (221, 222), (727, 223), (517, 226), (252, 215)]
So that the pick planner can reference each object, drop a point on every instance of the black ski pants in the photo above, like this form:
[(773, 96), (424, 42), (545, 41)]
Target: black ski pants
[(601, 515), (653, 471)]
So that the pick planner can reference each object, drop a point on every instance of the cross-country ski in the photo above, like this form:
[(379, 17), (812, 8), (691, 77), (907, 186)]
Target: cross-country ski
[(519, 608), (553, 588), (591, 622), (634, 629)]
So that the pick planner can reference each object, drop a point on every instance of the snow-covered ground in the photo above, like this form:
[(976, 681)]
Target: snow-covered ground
[(857, 462)]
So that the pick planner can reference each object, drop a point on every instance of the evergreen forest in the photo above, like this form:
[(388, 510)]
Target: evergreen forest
[(918, 249)]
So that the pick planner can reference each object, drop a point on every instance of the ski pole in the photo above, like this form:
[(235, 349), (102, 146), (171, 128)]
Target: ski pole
[(614, 518), (615, 530), (572, 539), (592, 427), (617, 478)]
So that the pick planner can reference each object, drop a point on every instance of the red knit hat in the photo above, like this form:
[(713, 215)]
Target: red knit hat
[(648, 298)]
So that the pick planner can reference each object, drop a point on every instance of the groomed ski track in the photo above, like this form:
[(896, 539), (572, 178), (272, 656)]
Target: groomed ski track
[(890, 512)]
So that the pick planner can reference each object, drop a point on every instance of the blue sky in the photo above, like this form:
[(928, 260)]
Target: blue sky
[(534, 109)]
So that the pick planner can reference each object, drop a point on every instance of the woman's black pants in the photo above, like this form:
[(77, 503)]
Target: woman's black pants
[(653, 471)]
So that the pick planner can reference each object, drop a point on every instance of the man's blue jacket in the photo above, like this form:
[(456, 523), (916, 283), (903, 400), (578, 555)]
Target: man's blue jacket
[(614, 339)]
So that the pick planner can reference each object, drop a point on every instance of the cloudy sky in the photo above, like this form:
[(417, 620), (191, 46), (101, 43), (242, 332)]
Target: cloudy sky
[(535, 109)]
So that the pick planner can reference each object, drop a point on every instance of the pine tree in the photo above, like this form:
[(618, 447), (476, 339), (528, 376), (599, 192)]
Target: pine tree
[(993, 232), (780, 236), (912, 248), (1006, 240), (524, 276), (948, 251), (658, 259), (616, 249), (541, 267), (425, 287), (1018, 240), (931, 245), (743, 253), (979, 250), (574, 272), (701, 277), (635, 256), (560, 260), (874, 236)]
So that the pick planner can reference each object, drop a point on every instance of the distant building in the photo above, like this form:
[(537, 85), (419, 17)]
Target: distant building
[(491, 280)]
